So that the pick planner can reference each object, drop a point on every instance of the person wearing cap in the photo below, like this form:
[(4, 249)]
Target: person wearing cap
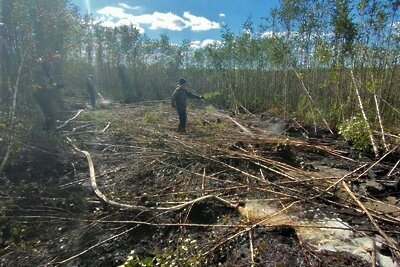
[(91, 88), (179, 102)]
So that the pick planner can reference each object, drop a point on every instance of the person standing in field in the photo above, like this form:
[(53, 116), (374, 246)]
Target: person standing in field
[(179, 102), (46, 92), (91, 88)]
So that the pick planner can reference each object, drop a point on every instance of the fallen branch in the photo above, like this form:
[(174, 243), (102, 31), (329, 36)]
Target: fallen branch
[(383, 234), (102, 98), (252, 255), (375, 163), (251, 227), (298, 124), (395, 109), (252, 263), (71, 119), (108, 125), (102, 197), (373, 258), (248, 112), (244, 129), (394, 167), (262, 180), (341, 180), (82, 126)]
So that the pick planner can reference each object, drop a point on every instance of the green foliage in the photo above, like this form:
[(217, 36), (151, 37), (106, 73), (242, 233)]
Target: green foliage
[(275, 111), (103, 116), (212, 95), (355, 131), (216, 98), (134, 261), (323, 52), (280, 51), (151, 117), (345, 28), (184, 254), (26, 135), (305, 111), (122, 127), (372, 84)]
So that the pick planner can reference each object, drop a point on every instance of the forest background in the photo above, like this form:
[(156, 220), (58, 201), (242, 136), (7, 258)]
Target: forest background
[(335, 62)]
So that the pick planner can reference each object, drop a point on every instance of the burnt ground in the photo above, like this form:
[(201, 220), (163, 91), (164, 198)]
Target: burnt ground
[(171, 199)]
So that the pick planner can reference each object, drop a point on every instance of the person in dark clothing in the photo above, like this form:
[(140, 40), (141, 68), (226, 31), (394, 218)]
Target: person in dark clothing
[(179, 102), (91, 88), (46, 98), (46, 92)]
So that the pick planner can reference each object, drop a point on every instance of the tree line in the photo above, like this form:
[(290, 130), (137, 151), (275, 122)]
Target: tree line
[(322, 61)]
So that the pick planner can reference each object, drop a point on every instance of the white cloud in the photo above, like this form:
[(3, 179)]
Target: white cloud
[(204, 43), (113, 12), (271, 34), (116, 16), (200, 23), (222, 15), (128, 6), (159, 20), (396, 28)]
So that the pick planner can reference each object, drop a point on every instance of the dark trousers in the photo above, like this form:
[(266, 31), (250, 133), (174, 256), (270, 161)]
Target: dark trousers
[(46, 98), (92, 94), (182, 120)]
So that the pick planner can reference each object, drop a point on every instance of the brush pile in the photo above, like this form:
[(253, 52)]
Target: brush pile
[(235, 190)]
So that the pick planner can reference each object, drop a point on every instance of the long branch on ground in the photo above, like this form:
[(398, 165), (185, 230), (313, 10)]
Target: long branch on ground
[(139, 159)]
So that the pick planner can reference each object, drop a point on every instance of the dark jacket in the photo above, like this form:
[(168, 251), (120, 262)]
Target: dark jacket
[(179, 98), (90, 86)]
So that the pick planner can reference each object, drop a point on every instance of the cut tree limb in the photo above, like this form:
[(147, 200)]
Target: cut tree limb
[(71, 119), (378, 228), (104, 198)]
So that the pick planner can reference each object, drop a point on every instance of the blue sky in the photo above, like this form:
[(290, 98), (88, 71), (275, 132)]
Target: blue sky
[(200, 21)]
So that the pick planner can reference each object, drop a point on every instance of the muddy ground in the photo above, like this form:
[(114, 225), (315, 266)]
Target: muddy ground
[(156, 197)]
